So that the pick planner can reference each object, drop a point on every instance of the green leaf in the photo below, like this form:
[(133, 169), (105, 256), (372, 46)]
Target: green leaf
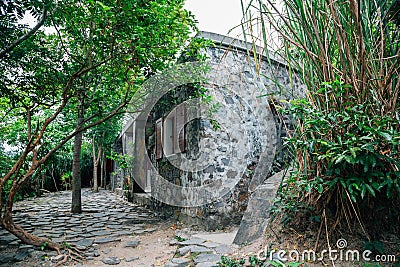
[(320, 188), (370, 190), (386, 136), (363, 191)]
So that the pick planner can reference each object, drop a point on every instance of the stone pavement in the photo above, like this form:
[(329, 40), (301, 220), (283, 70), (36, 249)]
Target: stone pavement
[(200, 250), (106, 218)]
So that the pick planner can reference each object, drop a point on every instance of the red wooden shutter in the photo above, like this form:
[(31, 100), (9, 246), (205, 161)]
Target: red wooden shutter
[(179, 129), (159, 150)]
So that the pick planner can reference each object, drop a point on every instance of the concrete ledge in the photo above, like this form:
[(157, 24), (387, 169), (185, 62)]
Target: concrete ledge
[(230, 42), (256, 217)]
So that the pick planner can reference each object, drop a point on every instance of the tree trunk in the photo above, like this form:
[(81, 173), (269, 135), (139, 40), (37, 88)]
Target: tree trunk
[(102, 171), (76, 206), (8, 224), (95, 182), (96, 160)]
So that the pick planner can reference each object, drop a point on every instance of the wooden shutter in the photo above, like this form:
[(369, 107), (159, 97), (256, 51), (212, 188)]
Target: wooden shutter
[(159, 150), (179, 129)]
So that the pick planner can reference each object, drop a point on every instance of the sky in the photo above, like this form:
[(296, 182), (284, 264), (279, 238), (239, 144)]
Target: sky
[(218, 16), (225, 17)]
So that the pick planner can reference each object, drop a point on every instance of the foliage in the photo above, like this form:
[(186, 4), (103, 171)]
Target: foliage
[(179, 238), (124, 161), (228, 262), (347, 139), (94, 58), (350, 149), (44, 245), (254, 261), (66, 180)]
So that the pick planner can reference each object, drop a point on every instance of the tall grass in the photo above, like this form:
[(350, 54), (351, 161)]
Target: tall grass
[(346, 148)]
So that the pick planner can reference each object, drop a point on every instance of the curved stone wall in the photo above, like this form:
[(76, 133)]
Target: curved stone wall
[(244, 93)]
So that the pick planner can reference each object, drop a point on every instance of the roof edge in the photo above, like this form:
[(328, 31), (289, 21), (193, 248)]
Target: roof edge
[(230, 42)]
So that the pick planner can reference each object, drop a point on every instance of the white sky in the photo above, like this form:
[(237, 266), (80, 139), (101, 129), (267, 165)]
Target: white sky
[(225, 16), (218, 16)]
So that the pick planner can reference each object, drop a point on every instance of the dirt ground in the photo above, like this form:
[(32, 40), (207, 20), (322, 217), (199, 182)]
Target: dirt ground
[(153, 248)]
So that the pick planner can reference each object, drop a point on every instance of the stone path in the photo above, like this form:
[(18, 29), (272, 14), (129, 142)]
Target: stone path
[(201, 250), (106, 218), (111, 231)]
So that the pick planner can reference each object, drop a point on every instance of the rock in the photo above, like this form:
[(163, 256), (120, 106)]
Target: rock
[(111, 261), (106, 251), (277, 257), (87, 235), (115, 226), (213, 258), (106, 240), (178, 262), (199, 249), (84, 242), (223, 249), (98, 215), (131, 259), (7, 239), (101, 233), (209, 244), (183, 250), (57, 258), (98, 225), (150, 230), (173, 242), (80, 247), (7, 258), (181, 261), (192, 241), (21, 255), (205, 264), (121, 233), (132, 244), (170, 264)]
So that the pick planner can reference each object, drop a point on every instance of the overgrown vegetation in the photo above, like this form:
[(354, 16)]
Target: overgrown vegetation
[(71, 77), (346, 146), (254, 261)]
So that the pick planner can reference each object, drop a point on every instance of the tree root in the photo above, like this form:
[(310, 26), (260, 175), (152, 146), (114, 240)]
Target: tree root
[(73, 254), (68, 251)]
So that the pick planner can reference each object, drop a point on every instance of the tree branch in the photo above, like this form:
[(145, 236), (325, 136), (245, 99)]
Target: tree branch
[(40, 23)]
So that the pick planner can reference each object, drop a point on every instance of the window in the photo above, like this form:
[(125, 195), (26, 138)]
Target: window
[(170, 133), (179, 129), (159, 127)]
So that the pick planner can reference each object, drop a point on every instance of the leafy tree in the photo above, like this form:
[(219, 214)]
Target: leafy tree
[(92, 64)]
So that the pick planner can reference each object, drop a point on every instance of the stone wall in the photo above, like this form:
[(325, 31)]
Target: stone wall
[(244, 97)]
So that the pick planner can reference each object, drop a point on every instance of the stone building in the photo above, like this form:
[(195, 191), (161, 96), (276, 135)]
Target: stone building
[(214, 151)]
